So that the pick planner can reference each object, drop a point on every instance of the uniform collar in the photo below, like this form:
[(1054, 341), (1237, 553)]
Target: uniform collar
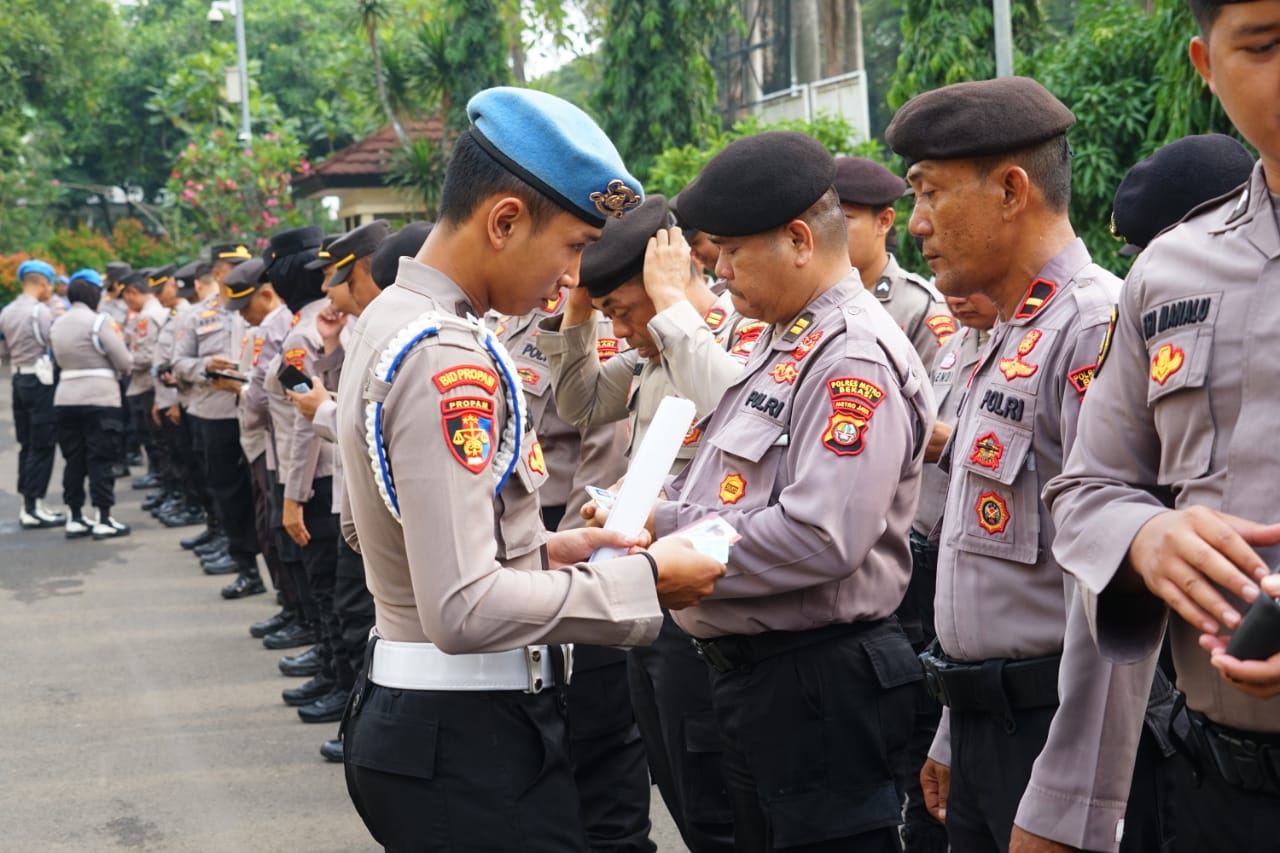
[(883, 288), (1049, 282), (787, 335), (435, 285), (1254, 215)]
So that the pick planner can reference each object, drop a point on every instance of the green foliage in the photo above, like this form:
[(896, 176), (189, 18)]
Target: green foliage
[(658, 89), (577, 81), (419, 172), (78, 248), (1183, 103), (476, 51)]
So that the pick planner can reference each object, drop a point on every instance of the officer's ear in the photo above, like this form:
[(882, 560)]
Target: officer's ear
[(800, 241), (1198, 50), (505, 215), (1015, 185)]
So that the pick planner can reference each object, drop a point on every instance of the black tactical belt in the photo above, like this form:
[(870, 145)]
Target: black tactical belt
[(1246, 760), (999, 685), (740, 652), (923, 554)]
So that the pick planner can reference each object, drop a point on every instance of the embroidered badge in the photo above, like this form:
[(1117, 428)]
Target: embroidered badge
[(468, 430), (803, 322), (1038, 294), (500, 327), (1081, 377), (296, 317), (551, 306), (142, 327), (715, 318), (993, 513), (806, 345), (1105, 347), (1016, 368), (987, 451), (747, 335), (853, 401), (537, 463), (466, 374), (616, 200), (943, 326), (694, 433), (606, 348), (883, 289), (1172, 315), (948, 361), (528, 375), (785, 372), (257, 350), (296, 356), (1168, 361), (211, 312), (732, 488)]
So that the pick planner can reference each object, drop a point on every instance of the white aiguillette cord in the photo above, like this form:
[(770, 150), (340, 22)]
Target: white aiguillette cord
[(648, 470)]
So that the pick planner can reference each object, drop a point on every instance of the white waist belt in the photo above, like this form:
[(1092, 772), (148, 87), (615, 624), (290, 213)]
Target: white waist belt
[(27, 371), (86, 372), (422, 666)]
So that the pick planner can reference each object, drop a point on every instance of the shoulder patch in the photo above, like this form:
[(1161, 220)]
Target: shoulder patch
[(466, 374), (1167, 361), (296, 356), (853, 402), (1104, 349), (943, 327), (606, 348), (1081, 377), (468, 430), (798, 328)]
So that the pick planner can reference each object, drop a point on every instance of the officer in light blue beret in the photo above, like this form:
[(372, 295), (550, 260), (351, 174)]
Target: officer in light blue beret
[(455, 735)]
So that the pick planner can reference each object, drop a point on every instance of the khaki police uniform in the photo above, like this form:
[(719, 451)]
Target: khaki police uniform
[(1002, 597), (141, 332), (813, 455), (186, 476), (1179, 416), (92, 355), (917, 306), (24, 340)]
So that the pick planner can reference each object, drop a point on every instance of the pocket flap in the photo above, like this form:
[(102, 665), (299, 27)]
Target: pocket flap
[(393, 744), (749, 437), (894, 661), (997, 451)]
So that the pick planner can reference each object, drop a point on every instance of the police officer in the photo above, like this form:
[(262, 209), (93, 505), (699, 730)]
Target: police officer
[(681, 341), (177, 483), (1042, 758), (461, 706), (141, 330), (813, 455), (92, 355), (1175, 448), (867, 194), (24, 342)]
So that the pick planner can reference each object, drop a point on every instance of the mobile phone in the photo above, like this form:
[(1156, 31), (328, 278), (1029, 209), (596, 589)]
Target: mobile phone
[(293, 379), (219, 374), (604, 498)]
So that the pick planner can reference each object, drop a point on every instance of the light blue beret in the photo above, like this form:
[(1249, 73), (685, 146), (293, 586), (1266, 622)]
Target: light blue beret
[(42, 267), (90, 275), (557, 149)]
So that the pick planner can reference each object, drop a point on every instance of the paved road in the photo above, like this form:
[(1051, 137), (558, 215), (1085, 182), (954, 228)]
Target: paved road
[(138, 714)]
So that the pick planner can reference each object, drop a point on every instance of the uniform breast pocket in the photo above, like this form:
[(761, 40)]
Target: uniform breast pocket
[(1178, 395), (535, 377), (750, 448), (1000, 505)]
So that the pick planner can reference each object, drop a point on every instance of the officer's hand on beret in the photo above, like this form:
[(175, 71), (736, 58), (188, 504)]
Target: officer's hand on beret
[(1022, 841), (667, 268), (1185, 556), (685, 574), (576, 546), (577, 308)]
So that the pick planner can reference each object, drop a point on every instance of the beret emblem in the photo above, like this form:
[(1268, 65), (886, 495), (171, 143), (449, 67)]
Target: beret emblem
[(616, 199)]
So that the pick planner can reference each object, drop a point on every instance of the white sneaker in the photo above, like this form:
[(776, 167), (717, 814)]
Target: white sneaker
[(43, 511), (109, 528), (78, 528), (40, 517)]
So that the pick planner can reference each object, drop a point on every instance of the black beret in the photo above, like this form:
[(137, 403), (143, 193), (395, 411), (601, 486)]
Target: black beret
[(235, 253), (323, 258), (1163, 188), (136, 278), (405, 243), (188, 272), (355, 244), (865, 182), (757, 183), (294, 241), (618, 256), (117, 270), (978, 119), (241, 283)]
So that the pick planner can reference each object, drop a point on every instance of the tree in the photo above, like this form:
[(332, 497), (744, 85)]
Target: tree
[(371, 14), (658, 89)]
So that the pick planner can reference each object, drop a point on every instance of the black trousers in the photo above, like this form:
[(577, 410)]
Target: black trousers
[(90, 440), (291, 554), (1216, 817), (807, 735), (458, 772), (140, 423), (281, 576), (227, 476), (671, 694), (920, 832), (199, 466), (320, 561), (34, 423), (354, 607)]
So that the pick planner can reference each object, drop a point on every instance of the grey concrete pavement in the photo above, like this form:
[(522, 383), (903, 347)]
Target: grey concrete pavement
[(137, 713)]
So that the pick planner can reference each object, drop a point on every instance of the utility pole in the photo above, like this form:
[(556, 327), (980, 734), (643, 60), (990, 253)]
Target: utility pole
[(1004, 38), (242, 60)]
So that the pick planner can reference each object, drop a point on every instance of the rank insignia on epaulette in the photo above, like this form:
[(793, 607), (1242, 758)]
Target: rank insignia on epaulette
[(553, 305), (993, 513), (468, 430), (296, 317), (803, 322), (715, 318), (606, 348), (732, 488), (1040, 292)]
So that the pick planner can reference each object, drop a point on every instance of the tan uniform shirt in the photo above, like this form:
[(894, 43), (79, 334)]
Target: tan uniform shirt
[(814, 456), (951, 371), (141, 332), (1000, 592), (592, 457), (463, 568), (695, 365), (256, 404), (918, 308), (1181, 414), (253, 433), (162, 355), (73, 342), (307, 457), (207, 331), (24, 330)]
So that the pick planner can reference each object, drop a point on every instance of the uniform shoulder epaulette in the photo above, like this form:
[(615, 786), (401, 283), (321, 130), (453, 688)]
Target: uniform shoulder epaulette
[(1096, 292)]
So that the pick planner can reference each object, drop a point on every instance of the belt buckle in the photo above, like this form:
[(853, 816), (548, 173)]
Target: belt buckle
[(933, 680), (533, 665)]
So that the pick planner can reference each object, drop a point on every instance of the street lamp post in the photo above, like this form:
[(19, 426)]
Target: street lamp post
[(218, 10)]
